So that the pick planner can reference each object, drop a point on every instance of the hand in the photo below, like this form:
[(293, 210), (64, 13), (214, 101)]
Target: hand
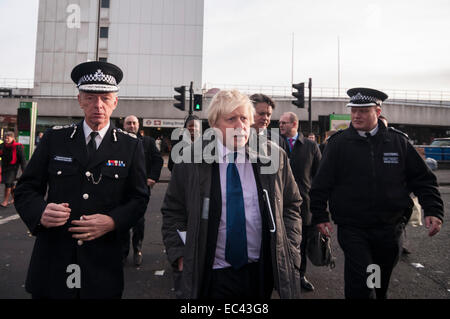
[(180, 264), (55, 215), (150, 182), (325, 229), (435, 224), (91, 227)]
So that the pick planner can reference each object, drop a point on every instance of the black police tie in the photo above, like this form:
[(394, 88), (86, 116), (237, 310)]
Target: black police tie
[(368, 134), (92, 145)]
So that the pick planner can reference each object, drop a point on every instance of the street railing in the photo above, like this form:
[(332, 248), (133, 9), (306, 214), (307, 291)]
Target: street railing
[(423, 96), (332, 92), (13, 83)]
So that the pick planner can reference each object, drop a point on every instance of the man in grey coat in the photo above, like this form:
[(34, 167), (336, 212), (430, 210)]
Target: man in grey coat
[(231, 224)]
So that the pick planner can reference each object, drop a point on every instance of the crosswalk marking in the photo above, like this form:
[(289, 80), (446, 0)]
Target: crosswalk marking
[(8, 219)]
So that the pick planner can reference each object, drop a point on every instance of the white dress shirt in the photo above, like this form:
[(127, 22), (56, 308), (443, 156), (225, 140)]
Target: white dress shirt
[(101, 134), (372, 132), (251, 204)]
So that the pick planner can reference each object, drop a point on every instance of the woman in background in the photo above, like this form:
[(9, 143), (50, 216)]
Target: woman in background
[(12, 157)]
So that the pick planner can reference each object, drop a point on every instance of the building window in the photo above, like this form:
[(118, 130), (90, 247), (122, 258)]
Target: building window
[(103, 59), (104, 32), (105, 4)]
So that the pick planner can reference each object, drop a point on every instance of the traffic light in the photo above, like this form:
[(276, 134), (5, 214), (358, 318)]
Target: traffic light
[(181, 98), (198, 102), (300, 95)]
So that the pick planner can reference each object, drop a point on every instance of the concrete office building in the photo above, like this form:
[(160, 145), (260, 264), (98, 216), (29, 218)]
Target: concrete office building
[(157, 43)]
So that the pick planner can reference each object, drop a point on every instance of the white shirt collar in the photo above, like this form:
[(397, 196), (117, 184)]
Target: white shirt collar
[(87, 130), (372, 132)]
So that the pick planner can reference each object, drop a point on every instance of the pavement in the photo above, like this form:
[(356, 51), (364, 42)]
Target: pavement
[(424, 274), (443, 176)]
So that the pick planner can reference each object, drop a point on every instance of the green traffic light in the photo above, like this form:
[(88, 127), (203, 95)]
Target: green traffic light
[(197, 102)]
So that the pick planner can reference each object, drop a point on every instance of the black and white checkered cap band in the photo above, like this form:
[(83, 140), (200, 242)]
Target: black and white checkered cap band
[(98, 76), (364, 100), (98, 88)]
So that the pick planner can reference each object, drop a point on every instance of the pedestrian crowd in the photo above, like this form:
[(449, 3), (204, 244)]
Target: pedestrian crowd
[(243, 205)]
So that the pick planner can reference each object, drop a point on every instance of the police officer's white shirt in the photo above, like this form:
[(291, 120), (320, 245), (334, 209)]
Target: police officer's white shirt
[(372, 133), (99, 137)]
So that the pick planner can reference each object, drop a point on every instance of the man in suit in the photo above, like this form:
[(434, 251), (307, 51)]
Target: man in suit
[(230, 228), (304, 156), (153, 165), (84, 185)]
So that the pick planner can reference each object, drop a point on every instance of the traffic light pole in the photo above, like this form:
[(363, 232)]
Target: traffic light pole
[(310, 105), (191, 94)]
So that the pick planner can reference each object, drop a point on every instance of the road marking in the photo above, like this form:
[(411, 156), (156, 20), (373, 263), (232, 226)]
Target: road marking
[(8, 219)]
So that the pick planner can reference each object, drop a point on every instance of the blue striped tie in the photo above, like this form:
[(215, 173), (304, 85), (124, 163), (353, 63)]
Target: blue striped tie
[(236, 243)]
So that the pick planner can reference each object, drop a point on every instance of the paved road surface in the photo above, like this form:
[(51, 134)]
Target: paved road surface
[(431, 281)]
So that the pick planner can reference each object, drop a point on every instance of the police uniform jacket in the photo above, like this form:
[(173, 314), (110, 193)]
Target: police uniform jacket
[(368, 180), (113, 183)]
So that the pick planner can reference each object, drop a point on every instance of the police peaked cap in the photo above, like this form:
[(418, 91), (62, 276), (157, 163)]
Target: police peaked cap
[(97, 77), (364, 97)]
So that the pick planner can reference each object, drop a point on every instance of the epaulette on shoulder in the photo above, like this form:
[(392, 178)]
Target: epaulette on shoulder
[(126, 133), (59, 127), (72, 126), (398, 132)]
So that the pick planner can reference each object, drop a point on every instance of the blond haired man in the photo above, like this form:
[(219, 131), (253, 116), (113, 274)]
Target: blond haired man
[(233, 215)]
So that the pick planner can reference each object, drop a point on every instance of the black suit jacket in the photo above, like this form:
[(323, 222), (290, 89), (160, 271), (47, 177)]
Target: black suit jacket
[(118, 189), (153, 160), (304, 159)]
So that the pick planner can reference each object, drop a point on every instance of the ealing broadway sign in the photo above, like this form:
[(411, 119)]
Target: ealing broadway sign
[(162, 123)]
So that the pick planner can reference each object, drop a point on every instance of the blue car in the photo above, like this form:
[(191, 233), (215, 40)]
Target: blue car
[(439, 149)]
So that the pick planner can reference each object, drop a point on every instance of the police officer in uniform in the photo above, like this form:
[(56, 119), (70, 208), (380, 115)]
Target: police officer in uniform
[(366, 173), (84, 185)]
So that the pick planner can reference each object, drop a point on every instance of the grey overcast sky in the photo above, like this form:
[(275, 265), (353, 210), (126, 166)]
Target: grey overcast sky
[(387, 44)]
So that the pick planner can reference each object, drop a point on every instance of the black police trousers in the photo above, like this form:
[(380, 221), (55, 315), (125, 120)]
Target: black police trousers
[(138, 237), (370, 256)]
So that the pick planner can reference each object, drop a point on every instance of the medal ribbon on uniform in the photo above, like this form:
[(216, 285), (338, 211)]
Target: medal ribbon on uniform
[(115, 163)]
